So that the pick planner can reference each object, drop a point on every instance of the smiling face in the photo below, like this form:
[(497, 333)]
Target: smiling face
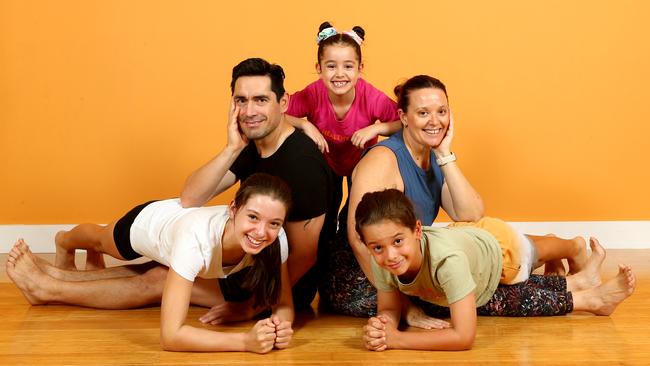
[(260, 112), (395, 247), (339, 69), (257, 223), (427, 116)]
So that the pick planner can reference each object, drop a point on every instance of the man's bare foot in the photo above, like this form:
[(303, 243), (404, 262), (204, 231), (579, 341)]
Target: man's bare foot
[(589, 277), (580, 259), (607, 296), (94, 260), (49, 269), (26, 275), (554, 268), (42, 263), (64, 258)]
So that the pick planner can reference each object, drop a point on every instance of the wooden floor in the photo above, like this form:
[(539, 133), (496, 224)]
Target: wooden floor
[(67, 335)]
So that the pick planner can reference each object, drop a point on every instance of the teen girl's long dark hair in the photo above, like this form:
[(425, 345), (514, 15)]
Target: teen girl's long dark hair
[(263, 279)]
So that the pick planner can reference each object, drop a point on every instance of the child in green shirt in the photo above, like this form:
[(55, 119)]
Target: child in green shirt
[(483, 267)]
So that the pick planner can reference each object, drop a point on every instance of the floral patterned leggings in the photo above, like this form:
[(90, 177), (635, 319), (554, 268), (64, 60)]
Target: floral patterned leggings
[(343, 288), (342, 285), (537, 296)]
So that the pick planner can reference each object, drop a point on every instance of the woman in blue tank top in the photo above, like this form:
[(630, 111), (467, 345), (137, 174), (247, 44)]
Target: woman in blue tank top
[(417, 161)]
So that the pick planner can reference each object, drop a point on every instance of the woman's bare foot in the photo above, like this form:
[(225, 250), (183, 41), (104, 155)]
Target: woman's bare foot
[(606, 297), (580, 259), (554, 268), (416, 317), (94, 260), (26, 275), (64, 258), (589, 277)]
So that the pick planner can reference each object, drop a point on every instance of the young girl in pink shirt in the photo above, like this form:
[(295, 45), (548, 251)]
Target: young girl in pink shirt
[(341, 108)]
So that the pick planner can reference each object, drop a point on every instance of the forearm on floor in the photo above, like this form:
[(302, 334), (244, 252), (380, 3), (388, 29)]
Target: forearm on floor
[(432, 340), (188, 338)]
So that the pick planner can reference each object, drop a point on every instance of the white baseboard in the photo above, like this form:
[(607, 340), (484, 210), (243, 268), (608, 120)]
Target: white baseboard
[(612, 234), (39, 237)]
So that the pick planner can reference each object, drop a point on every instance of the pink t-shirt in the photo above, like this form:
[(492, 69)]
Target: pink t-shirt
[(369, 105)]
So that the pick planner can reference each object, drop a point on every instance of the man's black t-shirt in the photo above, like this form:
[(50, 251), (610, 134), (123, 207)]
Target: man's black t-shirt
[(299, 163), (305, 170)]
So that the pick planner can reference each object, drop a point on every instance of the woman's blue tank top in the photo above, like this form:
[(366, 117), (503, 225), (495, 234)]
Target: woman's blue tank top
[(423, 188)]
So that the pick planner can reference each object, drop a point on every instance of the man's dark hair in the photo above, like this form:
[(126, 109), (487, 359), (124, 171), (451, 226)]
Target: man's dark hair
[(260, 67)]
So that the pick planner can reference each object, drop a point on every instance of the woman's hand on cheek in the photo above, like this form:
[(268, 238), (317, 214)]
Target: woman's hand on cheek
[(444, 149)]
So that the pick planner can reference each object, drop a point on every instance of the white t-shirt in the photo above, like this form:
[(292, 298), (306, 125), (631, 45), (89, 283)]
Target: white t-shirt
[(188, 240)]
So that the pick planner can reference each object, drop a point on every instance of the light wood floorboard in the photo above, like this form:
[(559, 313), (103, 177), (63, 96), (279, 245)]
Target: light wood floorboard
[(67, 335)]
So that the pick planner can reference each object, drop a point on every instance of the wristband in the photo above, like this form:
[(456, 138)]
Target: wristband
[(446, 159)]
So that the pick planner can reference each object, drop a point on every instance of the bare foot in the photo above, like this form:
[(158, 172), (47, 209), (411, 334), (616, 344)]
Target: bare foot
[(64, 258), (580, 259), (94, 260), (554, 268), (589, 277), (15, 253), (42, 263), (416, 317), (49, 269), (26, 275), (607, 296)]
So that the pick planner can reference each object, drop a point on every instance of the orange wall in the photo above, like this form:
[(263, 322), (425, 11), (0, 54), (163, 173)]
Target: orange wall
[(104, 104)]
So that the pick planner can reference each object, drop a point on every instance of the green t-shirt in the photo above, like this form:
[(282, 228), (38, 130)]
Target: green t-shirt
[(456, 261)]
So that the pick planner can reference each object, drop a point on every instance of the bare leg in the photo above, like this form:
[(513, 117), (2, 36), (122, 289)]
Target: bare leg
[(589, 277), (118, 293), (128, 270), (206, 293), (550, 248), (604, 299), (96, 239), (554, 268), (64, 258), (112, 293), (94, 260)]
